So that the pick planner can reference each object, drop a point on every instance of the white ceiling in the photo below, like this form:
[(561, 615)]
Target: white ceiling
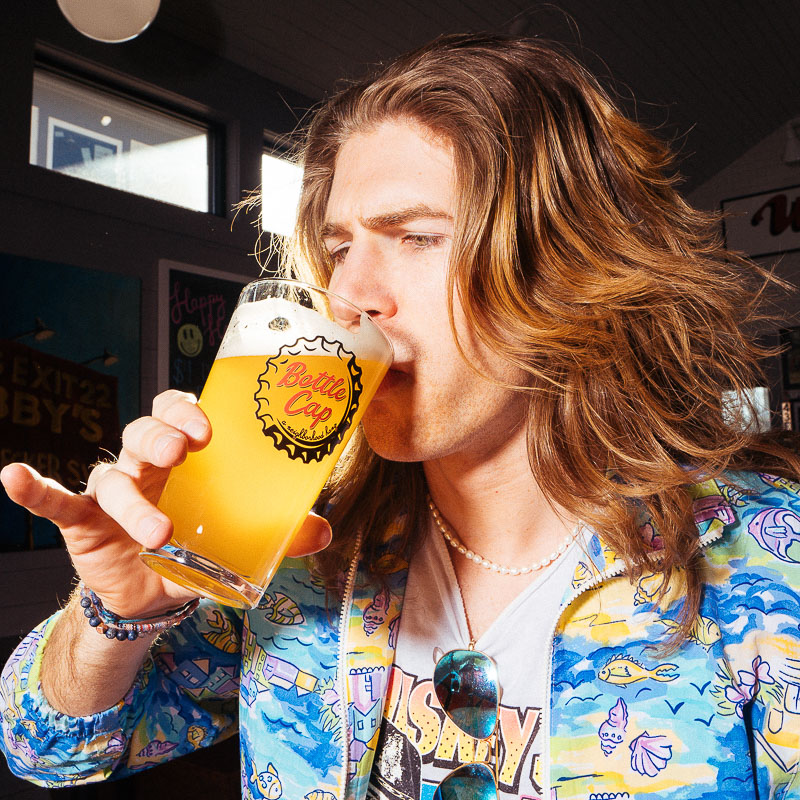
[(718, 75)]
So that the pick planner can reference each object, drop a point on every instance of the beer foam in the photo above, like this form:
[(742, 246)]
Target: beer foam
[(262, 327)]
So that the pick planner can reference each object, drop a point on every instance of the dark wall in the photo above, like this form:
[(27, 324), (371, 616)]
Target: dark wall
[(46, 215)]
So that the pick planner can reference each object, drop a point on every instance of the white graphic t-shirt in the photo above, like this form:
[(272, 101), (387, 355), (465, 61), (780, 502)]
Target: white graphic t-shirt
[(418, 745)]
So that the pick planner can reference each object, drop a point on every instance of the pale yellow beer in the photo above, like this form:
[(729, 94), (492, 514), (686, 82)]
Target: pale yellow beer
[(280, 421)]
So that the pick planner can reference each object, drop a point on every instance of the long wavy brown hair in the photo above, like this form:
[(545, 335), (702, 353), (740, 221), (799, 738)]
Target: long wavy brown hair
[(577, 258)]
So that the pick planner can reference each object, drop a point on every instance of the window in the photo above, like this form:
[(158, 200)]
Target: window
[(280, 193), (84, 131), (748, 410)]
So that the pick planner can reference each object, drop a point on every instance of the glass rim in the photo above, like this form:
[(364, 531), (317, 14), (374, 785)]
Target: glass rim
[(313, 287)]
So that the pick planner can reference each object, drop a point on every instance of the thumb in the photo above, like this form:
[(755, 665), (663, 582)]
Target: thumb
[(313, 536)]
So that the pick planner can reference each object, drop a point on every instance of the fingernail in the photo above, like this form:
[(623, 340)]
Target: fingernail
[(195, 429), (166, 441), (149, 530)]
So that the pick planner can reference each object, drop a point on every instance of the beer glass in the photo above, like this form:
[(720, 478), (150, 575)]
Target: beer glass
[(294, 373)]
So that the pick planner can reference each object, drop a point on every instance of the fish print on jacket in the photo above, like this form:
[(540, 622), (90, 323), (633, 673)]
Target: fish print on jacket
[(222, 633), (195, 734), (281, 609), (263, 785), (267, 784), (623, 670), (671, 724), (777, 531), (704, 632), (289, 697), (676, 729)]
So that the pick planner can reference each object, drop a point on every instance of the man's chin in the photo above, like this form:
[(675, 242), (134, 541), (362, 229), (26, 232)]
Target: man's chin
[(394, 452), (392, 442)]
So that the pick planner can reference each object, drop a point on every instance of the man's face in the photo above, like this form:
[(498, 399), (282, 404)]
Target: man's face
[(389, 228)]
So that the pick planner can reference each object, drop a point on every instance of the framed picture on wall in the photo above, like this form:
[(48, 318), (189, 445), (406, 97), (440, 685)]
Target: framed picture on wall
[(764, 223), (82, 152), (195, 305), (790, 358)]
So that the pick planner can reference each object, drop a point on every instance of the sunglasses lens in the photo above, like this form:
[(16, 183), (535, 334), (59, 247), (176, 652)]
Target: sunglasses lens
[(470, 782), (466, 686)]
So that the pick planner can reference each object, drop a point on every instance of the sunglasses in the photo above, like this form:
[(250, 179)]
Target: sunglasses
[(468, 690)]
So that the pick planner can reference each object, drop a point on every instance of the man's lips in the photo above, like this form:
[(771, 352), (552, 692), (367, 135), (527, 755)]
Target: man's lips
[(394, 377)]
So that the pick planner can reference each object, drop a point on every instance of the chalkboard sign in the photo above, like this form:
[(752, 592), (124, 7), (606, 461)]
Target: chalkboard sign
[(199, 309)]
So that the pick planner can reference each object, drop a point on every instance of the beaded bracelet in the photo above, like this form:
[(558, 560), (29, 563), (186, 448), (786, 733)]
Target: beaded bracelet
[(114, 627)]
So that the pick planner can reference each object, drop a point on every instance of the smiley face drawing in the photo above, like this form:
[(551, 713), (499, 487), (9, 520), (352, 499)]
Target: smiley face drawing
[(190, 340)]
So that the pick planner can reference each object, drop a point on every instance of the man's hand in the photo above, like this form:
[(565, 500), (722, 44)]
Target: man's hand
[(105, 527)]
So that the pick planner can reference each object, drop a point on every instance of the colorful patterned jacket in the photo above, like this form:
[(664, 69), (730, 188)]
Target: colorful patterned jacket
[(718, 718)]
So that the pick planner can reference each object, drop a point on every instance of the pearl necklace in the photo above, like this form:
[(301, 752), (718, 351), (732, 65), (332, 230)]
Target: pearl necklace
[(456, 544)]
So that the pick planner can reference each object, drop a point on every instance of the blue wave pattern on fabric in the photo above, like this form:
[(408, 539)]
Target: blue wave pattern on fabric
[(657, 724), (289, 703), (184, 698), (627, 719)]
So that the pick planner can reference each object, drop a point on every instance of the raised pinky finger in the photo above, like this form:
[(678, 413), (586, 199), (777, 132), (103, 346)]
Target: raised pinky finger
[(45, 497)]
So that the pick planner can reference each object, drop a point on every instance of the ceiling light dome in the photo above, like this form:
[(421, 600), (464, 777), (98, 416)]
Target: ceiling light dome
[(110, 20)]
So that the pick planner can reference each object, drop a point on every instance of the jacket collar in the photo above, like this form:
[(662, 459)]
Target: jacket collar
[(712, 507)]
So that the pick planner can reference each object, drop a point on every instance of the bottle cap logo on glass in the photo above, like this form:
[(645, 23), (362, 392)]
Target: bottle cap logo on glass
[(293, 376), (308, 411)]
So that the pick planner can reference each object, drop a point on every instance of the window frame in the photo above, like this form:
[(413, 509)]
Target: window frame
[(132, 92)]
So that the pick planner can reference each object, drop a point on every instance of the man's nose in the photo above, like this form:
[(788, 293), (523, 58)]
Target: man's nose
[(361, 278)]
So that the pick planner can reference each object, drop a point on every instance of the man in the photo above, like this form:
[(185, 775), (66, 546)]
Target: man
[(548, 450)]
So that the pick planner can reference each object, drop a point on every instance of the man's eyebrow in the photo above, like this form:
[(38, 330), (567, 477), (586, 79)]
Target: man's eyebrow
[(389, 219)]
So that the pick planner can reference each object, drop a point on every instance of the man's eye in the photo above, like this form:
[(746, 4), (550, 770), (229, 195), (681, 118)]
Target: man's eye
[(338, 254), (422, 241)]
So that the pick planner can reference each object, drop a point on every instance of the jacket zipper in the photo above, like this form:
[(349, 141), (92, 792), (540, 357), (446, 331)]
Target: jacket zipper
[(347, 602), (611, 572)]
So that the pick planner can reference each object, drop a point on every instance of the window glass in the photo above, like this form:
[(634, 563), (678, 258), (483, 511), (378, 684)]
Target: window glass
[(83, 131), (748, 410), (280, 193)]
